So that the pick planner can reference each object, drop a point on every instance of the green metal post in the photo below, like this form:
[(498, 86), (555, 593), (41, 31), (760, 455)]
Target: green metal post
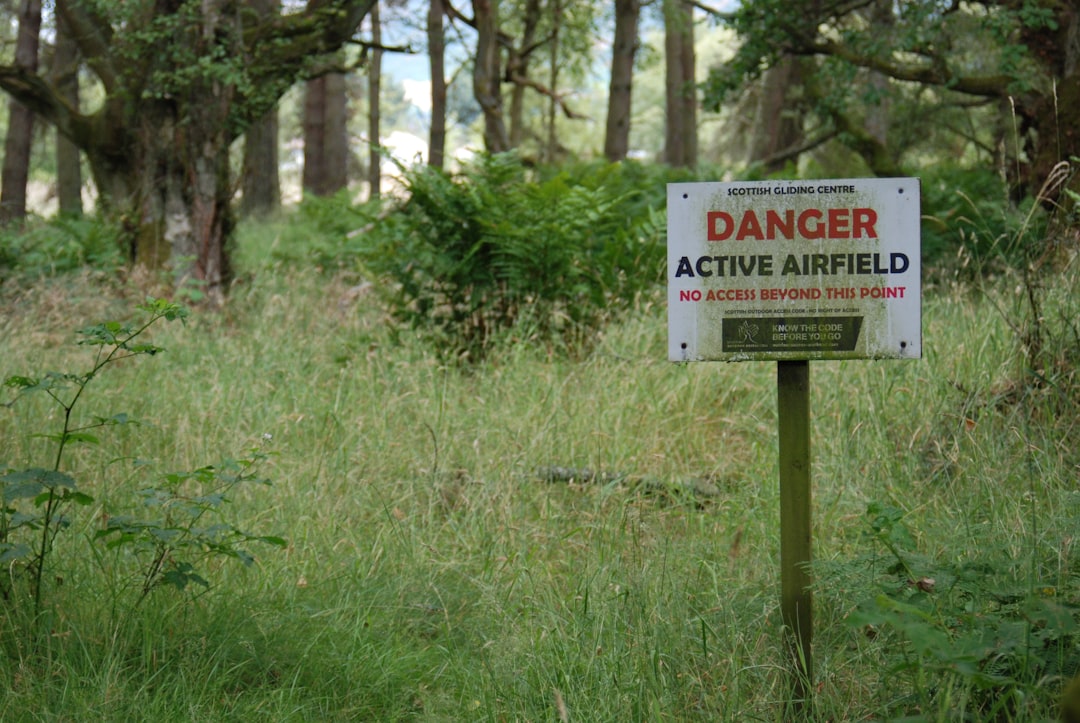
[(793, 403)]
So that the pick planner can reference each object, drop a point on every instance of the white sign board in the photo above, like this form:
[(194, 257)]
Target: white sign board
[(770, 270)]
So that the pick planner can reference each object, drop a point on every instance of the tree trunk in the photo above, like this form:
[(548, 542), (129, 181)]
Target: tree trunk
[(878, 112), (326, 142), (16, 168), (624, 48), (437, 58), (65, 75), (487, 85), (1052, 116), (261, 181), (261, 184), (518, 67), (778, 118), (680, 128), (181, 194), (374, 107), (552, 146)]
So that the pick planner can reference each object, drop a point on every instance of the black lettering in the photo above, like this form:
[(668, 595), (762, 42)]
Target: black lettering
[(684, 268)]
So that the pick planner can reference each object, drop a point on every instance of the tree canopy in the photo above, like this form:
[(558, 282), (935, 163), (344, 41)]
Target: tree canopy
[(181, 80), (1020, 53)]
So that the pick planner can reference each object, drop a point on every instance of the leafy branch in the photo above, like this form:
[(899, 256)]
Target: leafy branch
[(50, 489), (181, 529)]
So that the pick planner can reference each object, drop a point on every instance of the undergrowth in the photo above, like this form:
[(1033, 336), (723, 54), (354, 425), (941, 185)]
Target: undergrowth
[(145, 536)]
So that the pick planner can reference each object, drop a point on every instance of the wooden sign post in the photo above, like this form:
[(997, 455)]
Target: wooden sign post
[(796, 603), (793, 271)]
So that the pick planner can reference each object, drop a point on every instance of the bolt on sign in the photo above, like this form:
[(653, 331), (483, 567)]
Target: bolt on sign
[(789, 270)]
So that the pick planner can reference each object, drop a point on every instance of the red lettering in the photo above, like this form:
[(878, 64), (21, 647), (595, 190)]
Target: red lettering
[(806, 218), (722, 233), (774, 223), (749, 227), (863, 221), (811, 223), (838, 223)]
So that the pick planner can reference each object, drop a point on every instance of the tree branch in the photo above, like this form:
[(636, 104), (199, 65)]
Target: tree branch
[(311, 35), (935, 74), (454, 14), (787, 154), (718, 14), (94, 35), (544, 90), (43, 99)]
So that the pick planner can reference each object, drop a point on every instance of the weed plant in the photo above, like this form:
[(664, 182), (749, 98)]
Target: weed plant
[(434, 572)]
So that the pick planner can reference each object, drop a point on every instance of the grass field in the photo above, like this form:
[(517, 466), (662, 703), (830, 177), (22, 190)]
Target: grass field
[(437, 570)]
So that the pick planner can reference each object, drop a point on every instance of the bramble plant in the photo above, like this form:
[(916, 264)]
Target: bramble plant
[(36, 499), (161, 542), (964, 624)]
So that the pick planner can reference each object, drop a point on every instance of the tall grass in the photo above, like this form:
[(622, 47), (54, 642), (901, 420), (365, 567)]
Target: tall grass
[(435, 573)]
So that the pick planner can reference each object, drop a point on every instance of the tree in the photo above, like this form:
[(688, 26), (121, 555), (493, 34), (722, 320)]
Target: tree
[(552, 147), (437, 59), (1021, 53), (517, 66), (326, 130), (16, 168), (880, 17), (374, 106), (261, 180), (65, 76), (181, 80), (777, 132), (487, 78), (624, 48), (680, 127), (563, 41)]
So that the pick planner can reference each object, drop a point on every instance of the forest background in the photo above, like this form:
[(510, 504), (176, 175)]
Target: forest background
[(414, 452)]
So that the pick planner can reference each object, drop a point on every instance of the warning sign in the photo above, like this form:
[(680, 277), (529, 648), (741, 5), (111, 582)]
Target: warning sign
[(794, 270)]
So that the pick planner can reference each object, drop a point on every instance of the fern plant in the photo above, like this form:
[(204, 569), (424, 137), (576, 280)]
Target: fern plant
[(493, 250)]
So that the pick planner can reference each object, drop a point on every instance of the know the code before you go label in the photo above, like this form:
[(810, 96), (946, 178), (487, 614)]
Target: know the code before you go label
[(794, 270)]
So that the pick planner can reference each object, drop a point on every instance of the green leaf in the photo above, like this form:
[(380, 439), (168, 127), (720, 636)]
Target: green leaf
[(164, 309), (23, 490), (166, 535), (22, 519), (10, 552), (109, 333), (82, 437), (79, 498), (150, 349), (117, 419), (181, 575), (212, 500), (20, 382), (51, 380), (30, 482)]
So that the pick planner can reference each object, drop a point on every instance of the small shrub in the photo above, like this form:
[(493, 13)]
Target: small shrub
[(175, 531)]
